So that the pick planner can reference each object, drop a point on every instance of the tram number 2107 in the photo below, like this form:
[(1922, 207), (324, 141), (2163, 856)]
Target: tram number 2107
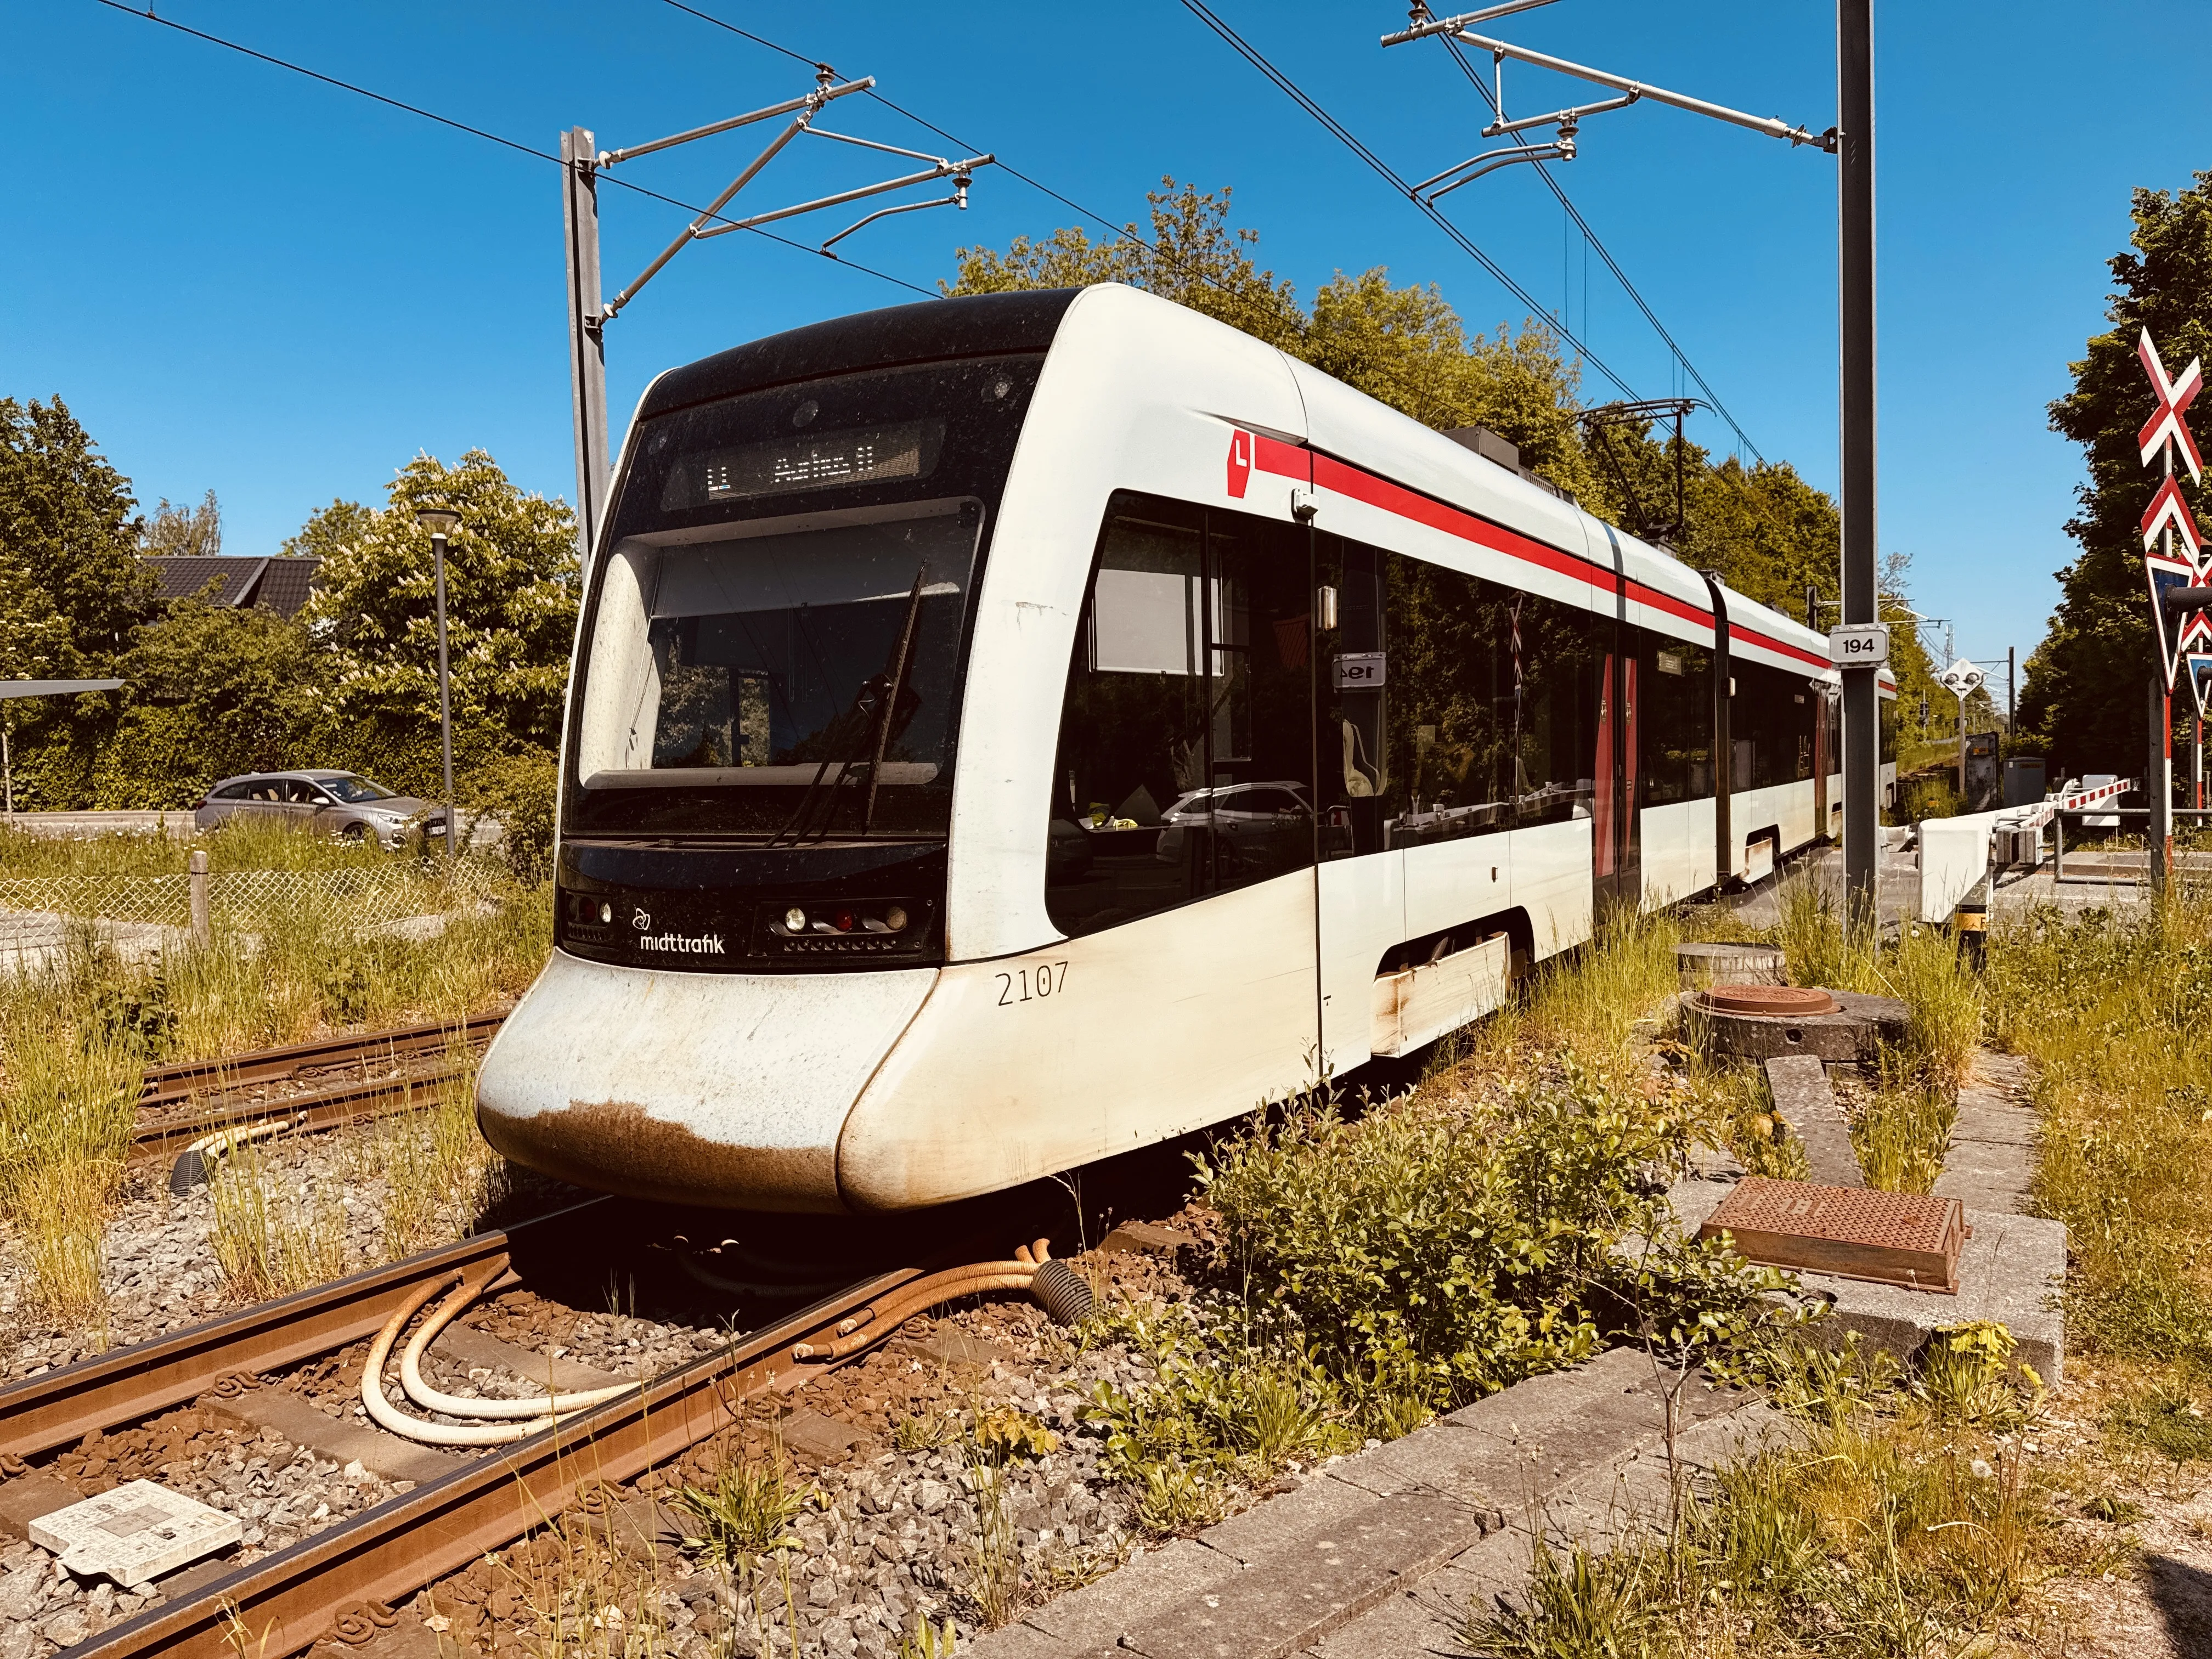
[(1031, 984)]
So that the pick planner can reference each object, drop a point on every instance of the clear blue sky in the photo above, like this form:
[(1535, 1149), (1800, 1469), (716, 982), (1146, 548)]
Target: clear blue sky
[(245, 281)]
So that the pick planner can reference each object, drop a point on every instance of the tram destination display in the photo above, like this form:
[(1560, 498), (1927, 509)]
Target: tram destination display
[(869, 454)]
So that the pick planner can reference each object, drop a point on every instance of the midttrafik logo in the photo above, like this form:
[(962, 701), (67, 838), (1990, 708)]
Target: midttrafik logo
[(697, 944)]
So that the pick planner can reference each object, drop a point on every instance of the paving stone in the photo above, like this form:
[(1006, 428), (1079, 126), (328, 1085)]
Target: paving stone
[(27, 1496), (135, 1533), (347, 1440), (474, 1348), (1805, 1100), (1268, 1526), (1303, 1591), (1096, 1616)]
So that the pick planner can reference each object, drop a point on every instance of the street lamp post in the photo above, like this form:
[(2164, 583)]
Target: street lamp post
[(441, 522)]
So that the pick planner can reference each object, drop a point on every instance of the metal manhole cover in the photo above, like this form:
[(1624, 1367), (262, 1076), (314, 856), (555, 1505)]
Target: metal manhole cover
[(1911, 1239), (1787, 1002)]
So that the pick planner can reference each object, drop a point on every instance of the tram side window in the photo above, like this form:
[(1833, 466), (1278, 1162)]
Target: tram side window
[(1450, 728), (1770, 722), (1183, 756), (1676, 720), (1556, 654)]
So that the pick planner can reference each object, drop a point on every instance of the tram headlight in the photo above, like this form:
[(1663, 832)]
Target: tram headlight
[(894, 919), (795, 920), (606, 912)]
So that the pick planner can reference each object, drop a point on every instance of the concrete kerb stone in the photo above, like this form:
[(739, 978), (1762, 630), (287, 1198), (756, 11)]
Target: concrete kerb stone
[(1095, 1618), (1805, 1100), (2011, 1269), (1303, 1590)]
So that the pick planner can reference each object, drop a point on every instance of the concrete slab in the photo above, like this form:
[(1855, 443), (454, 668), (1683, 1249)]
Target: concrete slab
[(1991, 1164), (27, 1496), (1804, 1099), (348, 1441), (1307, 1589), (1021, 1641), (2011, 1269), (815, 1439), (474, 1347), (135, 1534), (1405, 1623)]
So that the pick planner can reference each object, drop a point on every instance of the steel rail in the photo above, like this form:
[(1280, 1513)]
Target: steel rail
[(288, 1601), (168, 1085), (324, 1109), (128, 1384)]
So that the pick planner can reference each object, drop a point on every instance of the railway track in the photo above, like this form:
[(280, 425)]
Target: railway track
[(172, 1085), (354, 1571), (184, 1103)]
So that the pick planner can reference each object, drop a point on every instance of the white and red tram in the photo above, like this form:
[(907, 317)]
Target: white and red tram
[(1012, 730)]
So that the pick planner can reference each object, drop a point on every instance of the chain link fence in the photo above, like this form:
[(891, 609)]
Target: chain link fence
[(253, 900)]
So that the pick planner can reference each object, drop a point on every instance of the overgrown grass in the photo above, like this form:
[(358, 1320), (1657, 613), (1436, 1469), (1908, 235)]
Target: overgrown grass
[(244, 844), (1899, 1523), (67, 1109), (2112, 1013), (316, 973)]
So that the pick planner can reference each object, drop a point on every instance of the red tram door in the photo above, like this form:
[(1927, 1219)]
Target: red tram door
[(1617, 856)]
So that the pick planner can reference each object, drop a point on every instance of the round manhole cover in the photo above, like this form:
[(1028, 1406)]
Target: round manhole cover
[(1787, 1002)]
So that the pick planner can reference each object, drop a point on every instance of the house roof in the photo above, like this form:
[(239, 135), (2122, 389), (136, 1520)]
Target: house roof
[(279, 585)]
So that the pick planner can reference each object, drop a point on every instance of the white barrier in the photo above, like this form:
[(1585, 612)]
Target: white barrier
[(1954, 853)]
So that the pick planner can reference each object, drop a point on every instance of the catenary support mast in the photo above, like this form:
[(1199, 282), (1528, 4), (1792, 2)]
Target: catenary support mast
[(1854, 250)]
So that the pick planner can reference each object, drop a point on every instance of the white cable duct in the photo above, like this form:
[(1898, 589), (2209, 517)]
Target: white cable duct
[(496, 1433)]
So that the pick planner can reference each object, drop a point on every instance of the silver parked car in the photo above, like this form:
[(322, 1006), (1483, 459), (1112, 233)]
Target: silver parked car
[(341, 804)]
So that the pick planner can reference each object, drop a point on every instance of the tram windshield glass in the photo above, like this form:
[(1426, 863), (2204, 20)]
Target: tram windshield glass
[(775, 636)]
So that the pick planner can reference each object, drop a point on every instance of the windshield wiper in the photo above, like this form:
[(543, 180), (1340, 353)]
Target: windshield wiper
[(876, 698)]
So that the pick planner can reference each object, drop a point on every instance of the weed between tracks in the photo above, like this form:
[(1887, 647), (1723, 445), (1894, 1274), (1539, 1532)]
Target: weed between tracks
[(79, 1023)]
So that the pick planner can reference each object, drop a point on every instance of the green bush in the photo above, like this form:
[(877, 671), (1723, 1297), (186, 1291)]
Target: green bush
[(522, 792), (1427, 1258)]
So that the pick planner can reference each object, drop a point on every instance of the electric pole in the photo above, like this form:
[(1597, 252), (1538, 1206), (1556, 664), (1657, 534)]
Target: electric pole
[(1855, 272)]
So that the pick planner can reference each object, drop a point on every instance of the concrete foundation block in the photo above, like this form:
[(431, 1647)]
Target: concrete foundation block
[(2011, 1269), (1700, 965), (1855, 1032)]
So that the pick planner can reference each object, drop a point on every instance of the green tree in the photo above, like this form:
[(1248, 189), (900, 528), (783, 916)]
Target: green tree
[(212, 690), (511, 616), (2085, 695), (69, 530), (190, 531)]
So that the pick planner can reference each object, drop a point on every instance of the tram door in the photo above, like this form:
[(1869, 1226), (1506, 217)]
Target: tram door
[(1616, 852)]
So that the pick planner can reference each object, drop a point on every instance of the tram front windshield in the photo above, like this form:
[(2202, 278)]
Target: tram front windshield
[(776, 633)]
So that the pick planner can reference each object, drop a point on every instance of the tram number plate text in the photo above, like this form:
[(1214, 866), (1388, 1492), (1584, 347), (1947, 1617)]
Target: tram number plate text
[(1031, 984)]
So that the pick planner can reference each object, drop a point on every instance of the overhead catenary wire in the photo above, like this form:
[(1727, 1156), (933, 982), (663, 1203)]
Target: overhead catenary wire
[(1591, 238), (501, 140), (1345, 136), (1120, 232)]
